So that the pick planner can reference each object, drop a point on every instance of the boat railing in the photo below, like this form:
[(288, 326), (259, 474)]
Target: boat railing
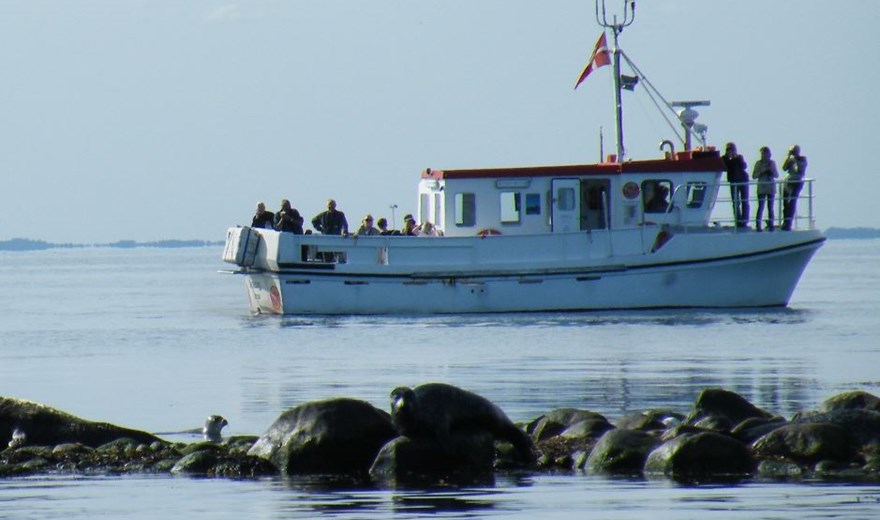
[(724, 214)]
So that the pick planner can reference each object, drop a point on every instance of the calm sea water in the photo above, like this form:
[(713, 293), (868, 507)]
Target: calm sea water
[(156, 339)]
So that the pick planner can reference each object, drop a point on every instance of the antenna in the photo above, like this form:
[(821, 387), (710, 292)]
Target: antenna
[(688, 116), (616, 26)]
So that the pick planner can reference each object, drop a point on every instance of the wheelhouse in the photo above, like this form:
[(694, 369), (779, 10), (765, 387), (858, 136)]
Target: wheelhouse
[(679, 190)]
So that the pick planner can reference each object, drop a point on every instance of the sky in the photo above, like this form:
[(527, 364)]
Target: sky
[(168, 119)]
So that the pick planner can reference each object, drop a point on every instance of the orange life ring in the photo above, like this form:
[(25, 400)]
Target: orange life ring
[(488, 232)]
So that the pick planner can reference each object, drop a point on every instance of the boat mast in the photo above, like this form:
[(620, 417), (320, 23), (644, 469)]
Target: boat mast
[(629, 15)]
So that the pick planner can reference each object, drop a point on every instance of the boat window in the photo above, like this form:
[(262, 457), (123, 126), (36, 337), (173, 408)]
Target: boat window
[(696, 194), (424, 207), (437, 217), (655, 195), (565, 200), (533, 203), (465, 209), (510, 206)]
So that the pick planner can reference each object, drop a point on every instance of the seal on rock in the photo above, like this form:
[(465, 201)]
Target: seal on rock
[(213, 425), (437, 410)]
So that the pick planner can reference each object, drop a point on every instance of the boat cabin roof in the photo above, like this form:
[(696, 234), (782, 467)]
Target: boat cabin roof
[(681, 162)]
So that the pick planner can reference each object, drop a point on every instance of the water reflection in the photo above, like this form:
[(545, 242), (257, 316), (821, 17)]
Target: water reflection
[(662, 317)]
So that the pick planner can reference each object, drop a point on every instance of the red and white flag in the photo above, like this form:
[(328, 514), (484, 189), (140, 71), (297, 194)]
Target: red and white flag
[(599, 58)]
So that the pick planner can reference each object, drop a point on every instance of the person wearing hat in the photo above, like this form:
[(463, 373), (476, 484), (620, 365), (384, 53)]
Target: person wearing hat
[(796, 166), (410, 228)]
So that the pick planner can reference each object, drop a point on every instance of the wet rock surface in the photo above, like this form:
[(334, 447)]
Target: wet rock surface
[(722, 437)]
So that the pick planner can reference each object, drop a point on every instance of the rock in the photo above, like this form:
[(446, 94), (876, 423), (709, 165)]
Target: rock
[(850, 401), (219, 463), (404, 458), (621, 451), (723, 405), (589, 428), (196, 463), (556, 421), (73, 450), (45, 426), (650, 420), (778, 469), (862, 425), (805, 443), (335, 436), (564, 452), (701, 455), (714, 423), (754, 428)]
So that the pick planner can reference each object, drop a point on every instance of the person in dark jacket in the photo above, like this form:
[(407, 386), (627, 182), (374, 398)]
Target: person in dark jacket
[(332, 221), (738, 177), (288, 219), (796, 166), (263, 218)]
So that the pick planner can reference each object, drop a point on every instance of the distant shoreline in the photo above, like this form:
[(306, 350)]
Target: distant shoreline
[(27, 244)]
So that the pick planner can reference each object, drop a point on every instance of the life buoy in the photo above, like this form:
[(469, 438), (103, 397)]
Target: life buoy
[(488, 232)]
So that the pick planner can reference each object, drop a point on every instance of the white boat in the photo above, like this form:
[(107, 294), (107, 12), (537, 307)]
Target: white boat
[(546, 238)]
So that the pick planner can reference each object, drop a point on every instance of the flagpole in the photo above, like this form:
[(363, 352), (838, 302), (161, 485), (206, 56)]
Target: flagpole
[(618, 102), (629, 11)]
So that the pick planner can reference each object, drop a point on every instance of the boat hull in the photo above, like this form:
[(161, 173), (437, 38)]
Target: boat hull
[(748, 276)]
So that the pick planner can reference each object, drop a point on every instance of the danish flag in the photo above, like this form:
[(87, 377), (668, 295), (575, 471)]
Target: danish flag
[(599, 58)]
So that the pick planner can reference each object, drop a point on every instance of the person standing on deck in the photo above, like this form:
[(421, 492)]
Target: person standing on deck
[(766, 173), (738, 178), (332, 221), (796, 166)]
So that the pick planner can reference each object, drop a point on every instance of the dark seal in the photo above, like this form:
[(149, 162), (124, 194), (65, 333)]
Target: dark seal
[(437, 410)]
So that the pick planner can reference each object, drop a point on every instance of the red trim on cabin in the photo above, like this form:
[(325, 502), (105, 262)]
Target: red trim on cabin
[(684, 162)]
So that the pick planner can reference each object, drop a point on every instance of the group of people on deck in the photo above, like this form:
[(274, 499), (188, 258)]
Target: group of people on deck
[(333, 222), (766, 175)]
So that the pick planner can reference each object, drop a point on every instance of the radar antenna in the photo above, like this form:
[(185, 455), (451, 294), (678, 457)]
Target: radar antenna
[(617, 26)]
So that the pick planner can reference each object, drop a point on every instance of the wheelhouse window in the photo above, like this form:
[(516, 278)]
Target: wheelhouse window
[(465, 209), (533, 203), (511, 207), (565, 199), (656, 195), (696, 194), (424, 207)]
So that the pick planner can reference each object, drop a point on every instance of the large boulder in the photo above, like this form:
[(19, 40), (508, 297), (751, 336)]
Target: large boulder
[(701, 455), (754, 428), (36, 424), (470, 453), (862, 425), (806, 443), (855, 400), (621, 451), (337, 436), (716, 406)]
